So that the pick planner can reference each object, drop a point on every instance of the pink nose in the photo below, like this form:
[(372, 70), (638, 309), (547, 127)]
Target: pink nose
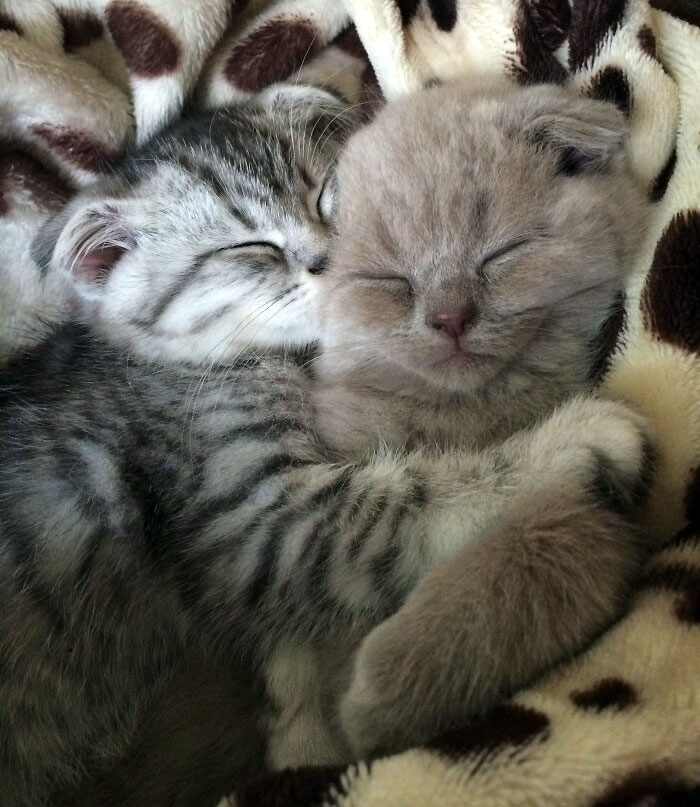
[(455, 322)]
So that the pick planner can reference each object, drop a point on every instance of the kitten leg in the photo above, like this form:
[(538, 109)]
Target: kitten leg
[(297, 678), (533, 592), (326, 545)]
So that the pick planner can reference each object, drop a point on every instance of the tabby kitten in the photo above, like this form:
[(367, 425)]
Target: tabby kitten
[(179, 262), (484, 235)]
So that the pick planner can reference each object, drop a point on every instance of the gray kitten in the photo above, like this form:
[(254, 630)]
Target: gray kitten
[(484, 234)]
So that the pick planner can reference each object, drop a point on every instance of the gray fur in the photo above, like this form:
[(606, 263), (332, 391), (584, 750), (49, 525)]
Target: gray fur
[(517, 205)]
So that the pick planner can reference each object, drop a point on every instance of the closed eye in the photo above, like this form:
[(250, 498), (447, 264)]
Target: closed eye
[(256, 249), (262, 252), (266, 245), (511, 246), (387, 280)]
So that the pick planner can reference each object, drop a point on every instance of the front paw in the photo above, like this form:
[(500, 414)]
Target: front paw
[(372, 709), (410, 678), (600, 445)]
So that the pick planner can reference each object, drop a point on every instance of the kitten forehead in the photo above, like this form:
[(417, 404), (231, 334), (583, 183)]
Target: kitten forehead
[(467, 163), (246, 168), (499, 211)]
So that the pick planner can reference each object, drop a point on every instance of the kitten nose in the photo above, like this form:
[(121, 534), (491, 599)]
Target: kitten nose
[(454, 322), (318, 267)]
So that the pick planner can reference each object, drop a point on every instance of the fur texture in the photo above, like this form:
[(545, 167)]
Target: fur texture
[(586, 757), (484, 234), (525, 249)]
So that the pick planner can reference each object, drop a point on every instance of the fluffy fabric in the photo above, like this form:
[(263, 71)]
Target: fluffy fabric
[(80, 78)]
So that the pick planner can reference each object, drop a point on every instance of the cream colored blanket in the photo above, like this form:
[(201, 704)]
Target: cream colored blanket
[(80, 78)]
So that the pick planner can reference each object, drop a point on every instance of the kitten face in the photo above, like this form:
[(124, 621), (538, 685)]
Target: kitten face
[(210, 240), (481, 233)]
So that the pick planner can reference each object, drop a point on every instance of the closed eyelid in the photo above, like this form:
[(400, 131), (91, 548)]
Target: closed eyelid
[(505, 249), (394, 283), (322, 199), (263, 244), (243, 245), (510, 246)]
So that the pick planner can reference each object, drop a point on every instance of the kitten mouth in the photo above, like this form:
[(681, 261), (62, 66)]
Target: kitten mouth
[(461, 357)]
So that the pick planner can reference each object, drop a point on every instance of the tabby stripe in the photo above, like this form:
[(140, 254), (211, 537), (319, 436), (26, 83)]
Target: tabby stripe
[(269, 174), (276, 465), (265, 428), (323, 540), (383, 566), (206, 558), (208, 176), (192, 570), (145, 497), (419, 495), (317, 580), (177, 288), (234, 407), (208, 319), (359, 540), (299, 508), (72, 470), (267, 563)]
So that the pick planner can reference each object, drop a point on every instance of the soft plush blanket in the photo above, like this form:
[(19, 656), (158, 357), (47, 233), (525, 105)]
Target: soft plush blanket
[(80, 78)]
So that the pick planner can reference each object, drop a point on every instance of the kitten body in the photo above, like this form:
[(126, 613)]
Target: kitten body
[(485, 233), (165, 493), (177, 263)]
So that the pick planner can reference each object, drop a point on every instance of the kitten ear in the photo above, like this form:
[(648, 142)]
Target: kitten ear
[(588, 136), (292, 96), (85, 243)]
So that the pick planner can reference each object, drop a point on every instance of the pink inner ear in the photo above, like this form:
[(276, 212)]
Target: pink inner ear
[(94, 266)]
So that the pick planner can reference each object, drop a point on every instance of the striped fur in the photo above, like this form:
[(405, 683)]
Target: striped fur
[(201, 245)]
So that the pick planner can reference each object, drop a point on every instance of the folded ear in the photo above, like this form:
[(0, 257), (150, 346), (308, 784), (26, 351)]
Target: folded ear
[(291, 96), (325, 112), (588, 136), (85, 240)]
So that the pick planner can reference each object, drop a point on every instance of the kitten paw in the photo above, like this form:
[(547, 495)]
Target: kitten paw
[(416, 674), (605, 445), (373, 710)]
